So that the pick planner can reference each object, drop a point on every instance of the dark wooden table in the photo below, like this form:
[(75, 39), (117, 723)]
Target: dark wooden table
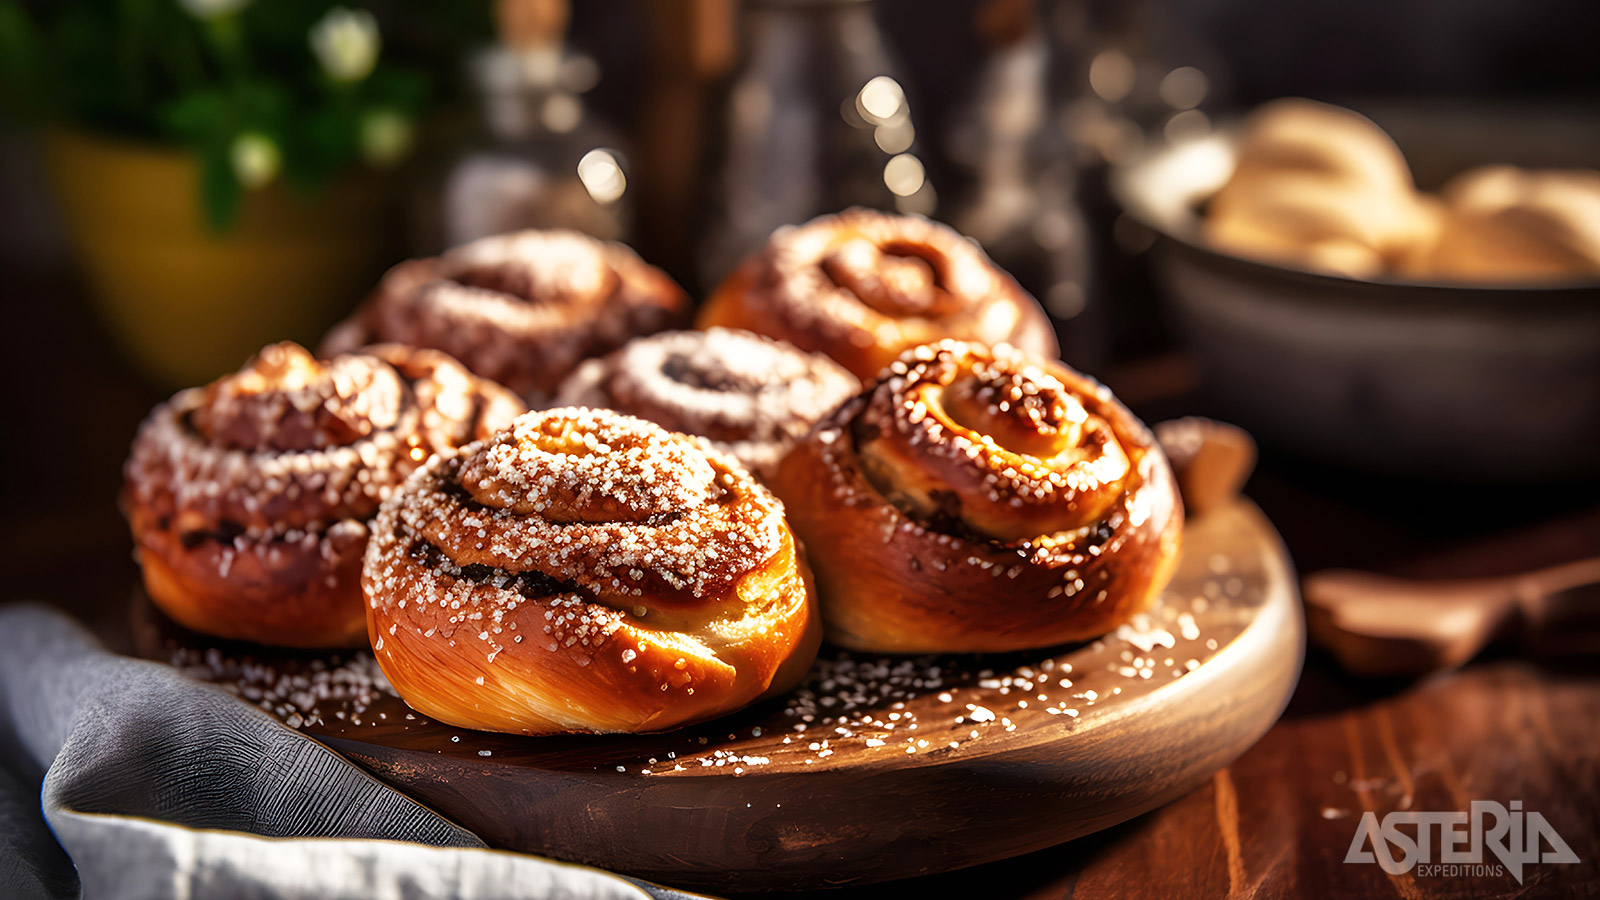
[(1516, 725)]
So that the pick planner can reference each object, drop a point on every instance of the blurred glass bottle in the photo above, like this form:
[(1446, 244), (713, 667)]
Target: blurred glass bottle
[(538, 158), (1020, 202), (814, 120), (1125, 74), (1136, 71)]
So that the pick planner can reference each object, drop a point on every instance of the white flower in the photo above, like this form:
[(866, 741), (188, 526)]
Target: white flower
[(346, 43), (213, 9), (385, 136), (256, 159), (602, 176)]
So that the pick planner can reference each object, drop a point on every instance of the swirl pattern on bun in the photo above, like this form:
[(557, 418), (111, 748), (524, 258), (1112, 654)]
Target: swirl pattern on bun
[(521, 309), (585, 571), (249, 499), (863, 286), (752, 396), (980, 499)]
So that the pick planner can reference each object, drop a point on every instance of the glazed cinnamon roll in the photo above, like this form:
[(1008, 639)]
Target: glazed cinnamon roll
[(751, 395), (522, 309), (250, 498), (586, 571), (979, 499), (863, 286)]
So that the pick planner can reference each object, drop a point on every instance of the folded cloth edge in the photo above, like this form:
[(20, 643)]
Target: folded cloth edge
[(159, 786)]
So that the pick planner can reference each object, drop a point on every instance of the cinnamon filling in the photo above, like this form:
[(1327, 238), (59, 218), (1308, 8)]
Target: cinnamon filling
[(514, 281), (991, 441), (225, 532), (284, 400), (514, 505), (1031, 416), (898, 279), (696, 374), (537, 268), (291, 449), (752, 394), (532, 585)]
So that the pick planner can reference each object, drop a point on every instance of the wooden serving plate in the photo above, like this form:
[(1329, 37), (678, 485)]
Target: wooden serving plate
[(875, 768)]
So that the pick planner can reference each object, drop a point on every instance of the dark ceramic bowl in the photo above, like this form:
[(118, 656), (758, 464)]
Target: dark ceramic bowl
[(1495, 383)]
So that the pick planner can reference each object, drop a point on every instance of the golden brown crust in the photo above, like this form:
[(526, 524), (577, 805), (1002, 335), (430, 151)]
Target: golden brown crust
[(585, 571), (863, 286), (751, 396), (521, 309), (979, 499), (249, 498)]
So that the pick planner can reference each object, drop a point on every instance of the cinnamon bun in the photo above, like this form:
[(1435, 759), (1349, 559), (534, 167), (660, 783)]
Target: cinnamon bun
[(979, 499), (751, 395), (249, 499), (585, 571), (521, 309), (863, 286)]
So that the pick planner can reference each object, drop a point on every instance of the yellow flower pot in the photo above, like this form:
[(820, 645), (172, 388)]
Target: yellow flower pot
[(188, 303)]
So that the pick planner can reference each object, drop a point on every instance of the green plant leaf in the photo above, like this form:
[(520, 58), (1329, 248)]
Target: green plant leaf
[(194, 117), (220, 192), (148, 69), (398, 88), (20, 77)]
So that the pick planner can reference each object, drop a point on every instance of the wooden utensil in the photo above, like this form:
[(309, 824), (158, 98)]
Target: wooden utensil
[(1377, 626), (1211, 461)]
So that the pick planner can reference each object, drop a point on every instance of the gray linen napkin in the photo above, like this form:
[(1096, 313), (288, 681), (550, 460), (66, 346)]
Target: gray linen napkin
[(156, 786)]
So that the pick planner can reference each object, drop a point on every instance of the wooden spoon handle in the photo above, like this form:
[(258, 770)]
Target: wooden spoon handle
[(1529, 590), (1211, 461), (1545, 593), (1377, 625)]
